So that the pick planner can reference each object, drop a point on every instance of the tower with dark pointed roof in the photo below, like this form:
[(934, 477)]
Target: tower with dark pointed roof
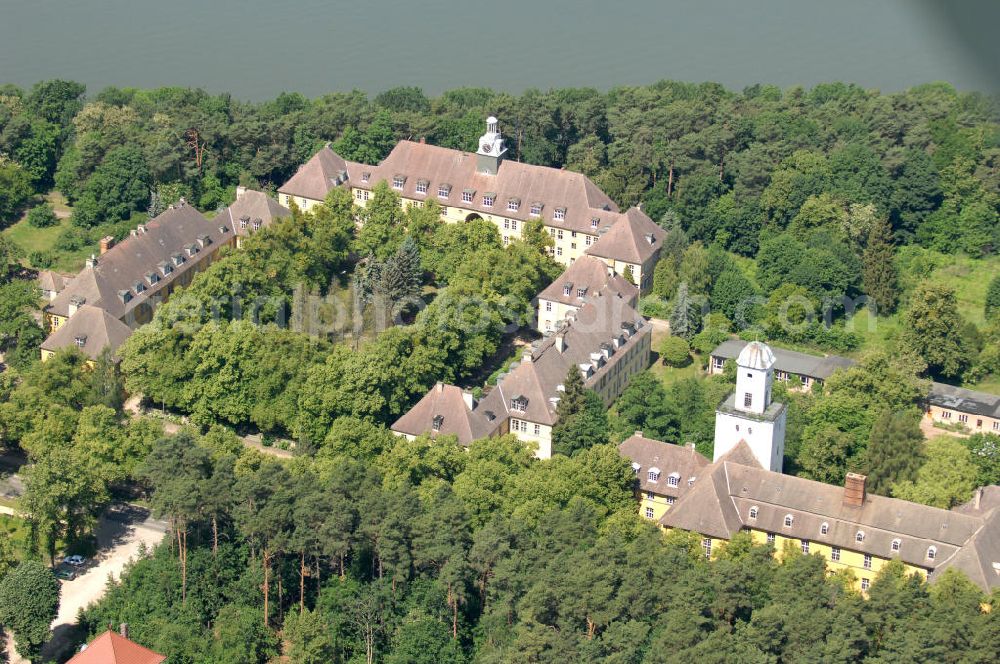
[(749, 414)]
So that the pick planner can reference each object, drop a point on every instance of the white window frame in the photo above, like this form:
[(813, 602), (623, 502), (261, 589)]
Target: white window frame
[(789, 520), (443, 191), (867, 564), (824, 528), (488, 201), (649, 512), (835, 554), (752, 514), (398, 182), (559, 214), (896, 545), (422, 187), (467, 196)]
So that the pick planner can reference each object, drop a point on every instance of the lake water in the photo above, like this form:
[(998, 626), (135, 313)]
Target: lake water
[(258, 48)]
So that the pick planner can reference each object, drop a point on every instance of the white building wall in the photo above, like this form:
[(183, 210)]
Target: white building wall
[(766, 439)]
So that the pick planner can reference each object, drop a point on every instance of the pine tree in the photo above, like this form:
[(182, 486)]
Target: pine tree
[(684, 317), (401, 274), (156, 207), (992, 306), (894, 450), (573, 398), (878, 267)]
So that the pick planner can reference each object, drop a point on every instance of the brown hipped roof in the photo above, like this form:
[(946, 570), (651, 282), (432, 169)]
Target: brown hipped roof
[(719, 506), (683, 462), (112, 648), (449, 403), (552, 187), (535, 379), (50, 281), (592, 274), (316, 177), (97, 328), (633, 239), (128, 262), (252, 206)]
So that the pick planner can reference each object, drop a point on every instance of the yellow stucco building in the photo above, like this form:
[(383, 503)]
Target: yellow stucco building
[(580, 218), (851, 529)]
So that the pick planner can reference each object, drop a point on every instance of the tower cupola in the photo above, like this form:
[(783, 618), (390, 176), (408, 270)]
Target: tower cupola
[(491, 148)]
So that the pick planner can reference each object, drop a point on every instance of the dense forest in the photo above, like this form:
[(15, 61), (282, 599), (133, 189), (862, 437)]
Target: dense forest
[(778, 206)]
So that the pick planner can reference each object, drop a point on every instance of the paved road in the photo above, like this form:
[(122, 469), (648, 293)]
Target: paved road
[(120, 533)]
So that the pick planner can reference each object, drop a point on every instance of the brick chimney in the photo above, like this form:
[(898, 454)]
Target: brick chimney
[(240, 191), (854, 490), (107, 242), (123, 630), (560, 342)]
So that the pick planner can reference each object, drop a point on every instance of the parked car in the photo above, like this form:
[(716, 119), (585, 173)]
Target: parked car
[(75, 561), (65, 574)]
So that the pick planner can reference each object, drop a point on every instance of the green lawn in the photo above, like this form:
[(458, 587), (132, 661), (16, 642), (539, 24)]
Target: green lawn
[(970, 278), (31, 239), (17, 530)]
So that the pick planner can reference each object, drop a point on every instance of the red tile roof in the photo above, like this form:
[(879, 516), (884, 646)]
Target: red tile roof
[(112, 648)]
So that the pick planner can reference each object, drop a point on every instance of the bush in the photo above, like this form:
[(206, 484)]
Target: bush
[(72, 239), (42, 216), (41, 260), (674, 352)]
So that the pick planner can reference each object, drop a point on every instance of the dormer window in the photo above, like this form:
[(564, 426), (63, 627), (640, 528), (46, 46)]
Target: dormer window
[(165, 269), (398, 181), (824, 529), (568, 289), (581, 292), (244, 222), (519, 404), (673, 479), (468, 195), (444, 190), (204, 240), (931, 553), (859, 536), (753, 513), (139, 287), (513, 205), (192, 249), (437, 422), (152, 278), (595, 222), (788, 520), (653, 475), (422, 186), (366, 176), (536, 209), (488, 199), (125, 296), (80, 340), (635, 468), (257, 223), (896, 544), (559, 213), (177, 260)]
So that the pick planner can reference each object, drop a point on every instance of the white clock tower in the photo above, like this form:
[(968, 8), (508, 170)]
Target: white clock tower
[(749, 414), (491, 148)]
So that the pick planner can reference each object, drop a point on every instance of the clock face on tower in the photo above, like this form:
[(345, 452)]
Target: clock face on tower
[(486, 147)]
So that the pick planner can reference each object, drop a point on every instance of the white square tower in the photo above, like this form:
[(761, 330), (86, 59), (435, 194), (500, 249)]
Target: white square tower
[(748, 414)]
